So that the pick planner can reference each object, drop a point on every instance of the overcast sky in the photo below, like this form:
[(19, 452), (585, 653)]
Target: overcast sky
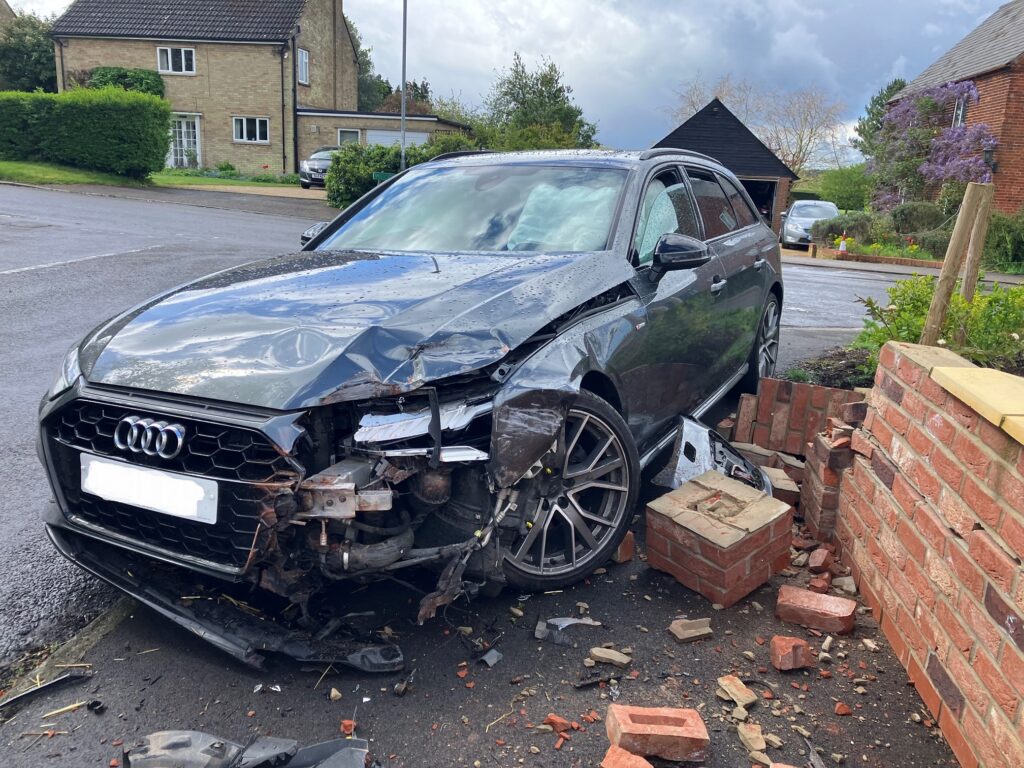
[(625, 59)]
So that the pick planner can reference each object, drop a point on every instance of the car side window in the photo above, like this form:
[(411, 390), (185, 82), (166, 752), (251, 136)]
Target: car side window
[(715, 208), (744, 214), (667, 207)]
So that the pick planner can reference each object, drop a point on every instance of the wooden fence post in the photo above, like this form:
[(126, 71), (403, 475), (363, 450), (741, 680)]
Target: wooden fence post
[(951, 266), (972, 266)]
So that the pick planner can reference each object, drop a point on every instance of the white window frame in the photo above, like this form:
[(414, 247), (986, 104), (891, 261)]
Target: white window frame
[(356, 131), (303, 62), (170, 60), (245, 140), (960, 113)]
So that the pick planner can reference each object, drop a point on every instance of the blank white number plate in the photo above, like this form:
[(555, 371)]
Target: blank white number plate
[(182, 496)]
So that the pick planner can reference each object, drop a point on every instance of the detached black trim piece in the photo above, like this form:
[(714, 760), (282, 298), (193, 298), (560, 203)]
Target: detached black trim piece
[(230, 629)]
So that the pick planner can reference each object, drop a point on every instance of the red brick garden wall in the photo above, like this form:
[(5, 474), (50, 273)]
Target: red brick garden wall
[(931, 521)]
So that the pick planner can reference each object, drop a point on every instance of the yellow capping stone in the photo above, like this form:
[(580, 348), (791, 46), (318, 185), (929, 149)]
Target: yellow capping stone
[(996, 395)]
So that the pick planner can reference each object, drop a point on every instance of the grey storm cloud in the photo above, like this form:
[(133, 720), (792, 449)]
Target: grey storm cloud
[(626, 59)]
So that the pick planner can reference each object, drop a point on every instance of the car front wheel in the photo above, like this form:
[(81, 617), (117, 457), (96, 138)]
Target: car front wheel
[(582, 508)]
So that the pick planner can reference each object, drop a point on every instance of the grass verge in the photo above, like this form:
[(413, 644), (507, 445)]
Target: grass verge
[(25, 172)]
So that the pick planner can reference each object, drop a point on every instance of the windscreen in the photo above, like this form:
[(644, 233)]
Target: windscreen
[(815, 210), (488, 208)]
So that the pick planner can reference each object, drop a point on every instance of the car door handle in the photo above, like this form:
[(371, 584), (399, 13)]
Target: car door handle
[(718, 284), (759, 264)]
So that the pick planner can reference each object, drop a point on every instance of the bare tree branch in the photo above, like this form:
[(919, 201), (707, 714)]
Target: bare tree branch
[(803, 128)]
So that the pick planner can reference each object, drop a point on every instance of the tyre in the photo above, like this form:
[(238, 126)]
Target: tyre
[(583, 509), (765, 353), (304, 185)]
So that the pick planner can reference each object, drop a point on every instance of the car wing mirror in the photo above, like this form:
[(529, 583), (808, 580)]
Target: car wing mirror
[(312, 232), (674, 252)]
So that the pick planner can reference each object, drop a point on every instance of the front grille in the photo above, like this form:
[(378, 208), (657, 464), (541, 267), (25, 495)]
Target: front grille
[(250, 472)]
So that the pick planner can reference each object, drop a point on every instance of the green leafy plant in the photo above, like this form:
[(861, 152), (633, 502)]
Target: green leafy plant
[(992, 323), (141, 80), (1004, 245)]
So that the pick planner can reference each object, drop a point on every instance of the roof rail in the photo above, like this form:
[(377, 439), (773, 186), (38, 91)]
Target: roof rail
[(647, 154), (461, 153)]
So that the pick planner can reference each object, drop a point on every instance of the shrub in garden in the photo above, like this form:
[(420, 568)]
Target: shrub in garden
[(935, 243), (1004, 245), (855, 224), (352, 167), (141, 80), (107, 129), (917, 217), (994, 322)]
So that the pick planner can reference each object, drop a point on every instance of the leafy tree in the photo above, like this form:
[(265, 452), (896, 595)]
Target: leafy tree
[(869, 125), (26, 54), (418, 101), (918, 150), (373, 88), (521, 99), (849, 188)]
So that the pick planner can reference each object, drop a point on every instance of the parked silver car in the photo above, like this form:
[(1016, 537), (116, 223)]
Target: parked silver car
[(313, 171), (797, 221)]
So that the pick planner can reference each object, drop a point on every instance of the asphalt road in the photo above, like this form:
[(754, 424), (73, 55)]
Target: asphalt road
[(69, 261)]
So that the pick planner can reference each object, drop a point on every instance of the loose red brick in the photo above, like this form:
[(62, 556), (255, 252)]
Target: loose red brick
[(820, 583), (1000, 567), (843, 710), (859, 443), (626, 549), (790, 653), (820, 560), (673, 734), (617, 757), (825, 612), (558, 724)]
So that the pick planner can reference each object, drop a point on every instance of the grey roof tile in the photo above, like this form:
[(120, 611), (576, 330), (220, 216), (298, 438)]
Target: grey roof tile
[(249, 20), (996, 42)]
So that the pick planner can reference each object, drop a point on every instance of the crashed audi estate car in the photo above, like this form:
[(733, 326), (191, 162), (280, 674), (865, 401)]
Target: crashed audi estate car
[(467, 369)]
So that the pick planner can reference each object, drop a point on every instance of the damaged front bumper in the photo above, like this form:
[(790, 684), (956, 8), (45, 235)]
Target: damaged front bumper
[(220, 622)]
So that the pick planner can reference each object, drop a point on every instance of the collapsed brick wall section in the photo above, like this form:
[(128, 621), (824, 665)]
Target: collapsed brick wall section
[(827, 456), (931, 522), (786, 415)]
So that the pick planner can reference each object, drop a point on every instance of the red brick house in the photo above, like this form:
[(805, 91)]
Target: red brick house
[(992, 55)]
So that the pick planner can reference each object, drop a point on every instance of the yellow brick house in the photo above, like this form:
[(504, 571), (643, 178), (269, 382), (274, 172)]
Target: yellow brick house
[(258, 84)]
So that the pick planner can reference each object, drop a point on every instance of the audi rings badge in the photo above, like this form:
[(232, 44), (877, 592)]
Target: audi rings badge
[(148, 436)]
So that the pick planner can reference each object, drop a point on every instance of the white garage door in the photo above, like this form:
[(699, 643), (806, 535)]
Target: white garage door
[(387, 138)]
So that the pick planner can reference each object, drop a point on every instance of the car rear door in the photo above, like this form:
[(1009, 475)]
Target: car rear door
[(733, 233)]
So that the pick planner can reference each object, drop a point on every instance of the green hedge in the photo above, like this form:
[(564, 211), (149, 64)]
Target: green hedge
[(108, 129), (1004, 244), (917, 217), (141, 80), (352, 168), (855, 224)]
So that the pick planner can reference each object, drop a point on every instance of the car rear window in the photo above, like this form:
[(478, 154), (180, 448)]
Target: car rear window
[(715, 208), (488, 208)]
